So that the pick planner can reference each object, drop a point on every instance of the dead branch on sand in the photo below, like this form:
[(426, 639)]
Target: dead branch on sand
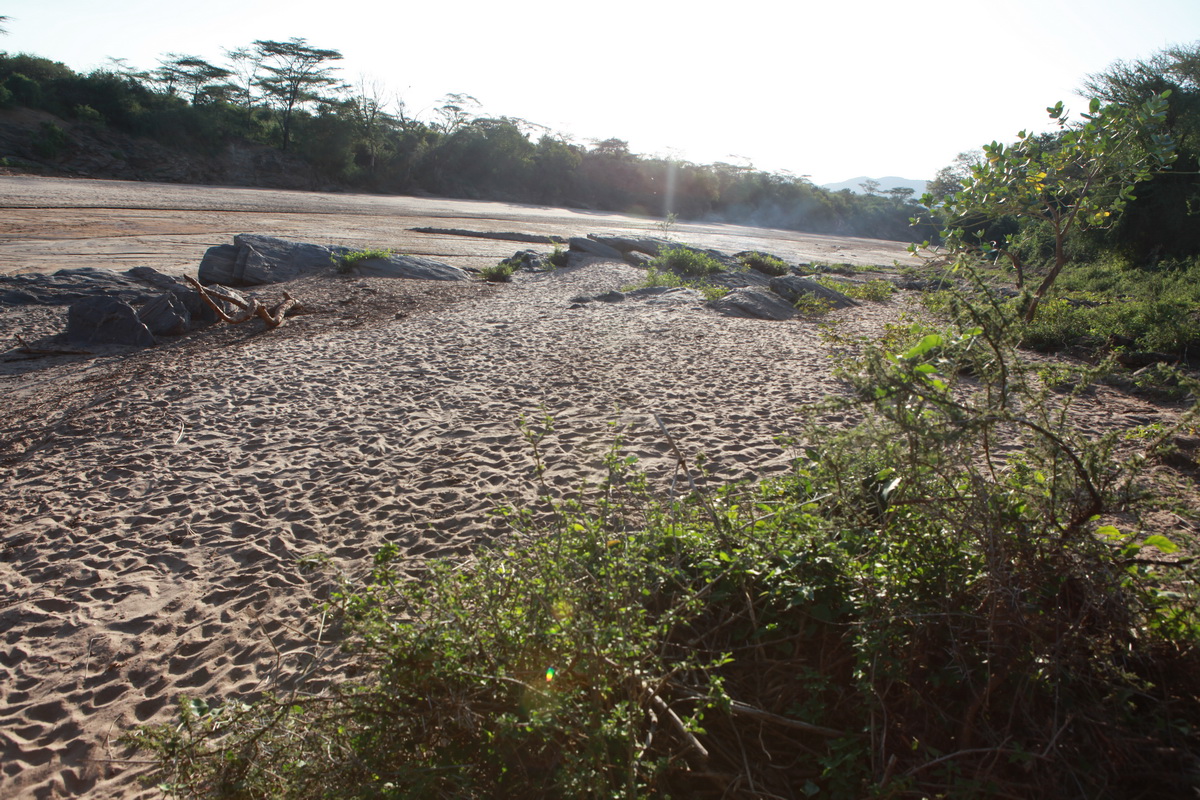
[(274, 317), (29, 349)]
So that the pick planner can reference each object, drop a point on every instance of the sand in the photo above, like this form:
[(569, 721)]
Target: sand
[(158, 506)]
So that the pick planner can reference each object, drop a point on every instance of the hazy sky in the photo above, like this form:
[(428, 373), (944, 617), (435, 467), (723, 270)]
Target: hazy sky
[(827, 89)]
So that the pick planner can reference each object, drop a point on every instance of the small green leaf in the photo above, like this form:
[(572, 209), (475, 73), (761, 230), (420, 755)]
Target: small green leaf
[(1162, 543), (924, 346)]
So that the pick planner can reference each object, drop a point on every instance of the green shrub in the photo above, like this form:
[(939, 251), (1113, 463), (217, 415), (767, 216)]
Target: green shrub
[(764, 262), (657, 277), (687, 262), (876, 290), (559, 257), (501, 272), (1113, 304), (345, 262), (85, 113), (809, 305), (49, 141), (25, 90)]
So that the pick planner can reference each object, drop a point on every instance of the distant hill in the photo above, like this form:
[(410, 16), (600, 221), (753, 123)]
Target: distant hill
[(890, 182)]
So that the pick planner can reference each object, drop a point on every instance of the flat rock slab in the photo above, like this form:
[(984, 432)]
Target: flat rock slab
[(70, 285), (649, 245)]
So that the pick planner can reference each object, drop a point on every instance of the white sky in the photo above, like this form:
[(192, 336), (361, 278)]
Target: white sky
[(832, 89)]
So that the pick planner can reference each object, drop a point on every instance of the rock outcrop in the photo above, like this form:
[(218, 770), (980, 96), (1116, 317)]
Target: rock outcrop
[(649, 245), (792, 287), (106, 320), (69, 285), (753, 304), (593, 248), (257, 260), (165, 315)]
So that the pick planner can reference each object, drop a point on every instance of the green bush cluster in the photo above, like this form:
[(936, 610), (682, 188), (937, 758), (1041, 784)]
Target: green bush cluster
[(658, 277), (1111, 303), (501, 272), (764, 262), (935, 601), (49, 141), (345, 262), (875, 290), (687, 262)]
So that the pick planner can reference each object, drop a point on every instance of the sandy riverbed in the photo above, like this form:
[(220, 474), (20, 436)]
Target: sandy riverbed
[(156, 505)]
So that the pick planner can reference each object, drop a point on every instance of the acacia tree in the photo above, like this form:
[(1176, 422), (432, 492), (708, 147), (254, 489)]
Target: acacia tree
[(1080, 179), (191, 74), (294, 74), (456, 111)]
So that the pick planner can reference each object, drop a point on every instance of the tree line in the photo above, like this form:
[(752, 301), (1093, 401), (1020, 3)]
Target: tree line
[(290, 95)]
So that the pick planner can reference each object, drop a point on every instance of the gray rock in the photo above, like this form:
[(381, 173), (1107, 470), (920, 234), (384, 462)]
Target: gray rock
[(792, 287), (530, 261), (637, 259), (197, 309), (165, 315), (753, 304), (650, 245), (730, 263), (106, 320), (268, 259), (611, 297), (591, 248), (254, 260)]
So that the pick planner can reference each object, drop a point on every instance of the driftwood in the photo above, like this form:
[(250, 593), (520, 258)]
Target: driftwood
[(274, 316), (41, 351)]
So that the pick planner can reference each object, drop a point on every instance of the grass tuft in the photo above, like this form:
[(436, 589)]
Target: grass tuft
[(687, 262), (764, 263), (346, 261)]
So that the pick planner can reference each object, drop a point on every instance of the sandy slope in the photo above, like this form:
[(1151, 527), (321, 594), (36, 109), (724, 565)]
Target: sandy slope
[(152, 529)]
